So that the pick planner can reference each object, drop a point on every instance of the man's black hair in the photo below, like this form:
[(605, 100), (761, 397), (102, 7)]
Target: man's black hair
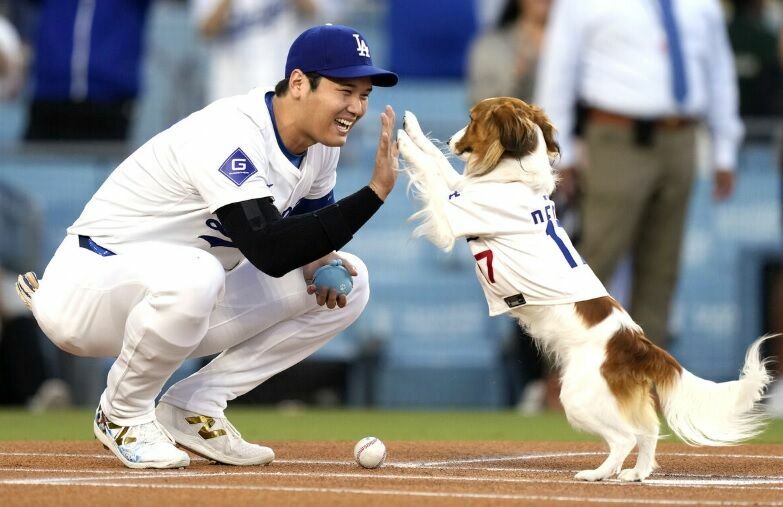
[(281, 88)]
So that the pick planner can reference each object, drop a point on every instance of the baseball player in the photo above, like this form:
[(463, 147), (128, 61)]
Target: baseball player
[(205, 241)]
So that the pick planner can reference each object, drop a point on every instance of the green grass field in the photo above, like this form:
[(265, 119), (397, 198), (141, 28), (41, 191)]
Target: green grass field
[(270, 424)]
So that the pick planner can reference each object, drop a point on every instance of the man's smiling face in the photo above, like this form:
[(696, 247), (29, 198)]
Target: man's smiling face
[(334, 107)]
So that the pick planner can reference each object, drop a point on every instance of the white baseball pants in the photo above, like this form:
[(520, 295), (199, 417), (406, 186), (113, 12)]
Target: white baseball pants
[(159, 304)]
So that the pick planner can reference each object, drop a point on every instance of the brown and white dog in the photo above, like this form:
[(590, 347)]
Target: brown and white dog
[(609, 369)]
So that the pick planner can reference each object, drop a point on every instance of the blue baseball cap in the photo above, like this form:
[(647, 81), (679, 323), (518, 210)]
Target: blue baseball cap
[(335, 51)]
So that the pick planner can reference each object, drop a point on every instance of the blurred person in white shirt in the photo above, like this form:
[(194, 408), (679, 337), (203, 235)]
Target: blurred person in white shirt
[(648, 72), (247, 39)]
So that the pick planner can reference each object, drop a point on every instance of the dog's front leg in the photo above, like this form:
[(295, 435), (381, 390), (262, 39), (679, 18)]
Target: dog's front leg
[(411, 125), (421, 168), (430, 189)]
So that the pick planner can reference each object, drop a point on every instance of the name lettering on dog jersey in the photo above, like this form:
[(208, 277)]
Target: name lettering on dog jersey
[(547, 211), (238, 167), (454, 195)]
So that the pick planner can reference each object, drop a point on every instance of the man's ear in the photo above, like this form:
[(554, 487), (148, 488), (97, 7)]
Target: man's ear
[(297, 83)]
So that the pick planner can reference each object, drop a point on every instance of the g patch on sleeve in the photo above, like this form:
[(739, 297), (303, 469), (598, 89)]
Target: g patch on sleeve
[(238, 167)]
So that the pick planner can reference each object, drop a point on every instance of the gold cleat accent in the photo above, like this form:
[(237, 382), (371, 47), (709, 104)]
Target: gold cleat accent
[(26, 285), (206, 430), (121, 438)]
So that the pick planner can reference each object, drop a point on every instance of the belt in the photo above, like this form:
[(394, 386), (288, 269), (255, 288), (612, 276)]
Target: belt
[(665, 122), (89, 244)]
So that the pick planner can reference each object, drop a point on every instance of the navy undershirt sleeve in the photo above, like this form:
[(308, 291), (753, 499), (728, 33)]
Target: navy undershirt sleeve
[(308, 205)]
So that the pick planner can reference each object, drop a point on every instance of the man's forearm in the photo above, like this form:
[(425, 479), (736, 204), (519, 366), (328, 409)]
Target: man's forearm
[(277, 245)]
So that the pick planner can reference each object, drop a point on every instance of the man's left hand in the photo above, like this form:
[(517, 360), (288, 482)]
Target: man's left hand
[(328, 297), (723, 184)]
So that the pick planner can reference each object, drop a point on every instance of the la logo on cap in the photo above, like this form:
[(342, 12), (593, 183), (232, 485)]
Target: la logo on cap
[(361, 46)]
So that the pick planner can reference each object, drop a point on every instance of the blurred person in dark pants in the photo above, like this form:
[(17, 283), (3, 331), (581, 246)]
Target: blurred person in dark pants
[(649, 73), (87, 68)]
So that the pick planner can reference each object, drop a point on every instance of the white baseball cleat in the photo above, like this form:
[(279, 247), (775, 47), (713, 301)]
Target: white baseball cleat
[(145, 445), (214, 438)]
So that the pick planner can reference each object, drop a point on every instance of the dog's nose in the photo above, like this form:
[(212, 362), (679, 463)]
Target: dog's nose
[(449, 141)]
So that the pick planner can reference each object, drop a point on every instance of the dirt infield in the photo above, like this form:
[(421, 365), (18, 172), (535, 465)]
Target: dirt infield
[(416, 473)]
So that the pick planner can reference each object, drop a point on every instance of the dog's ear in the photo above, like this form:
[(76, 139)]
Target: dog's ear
[(516, 132), (542, 120)]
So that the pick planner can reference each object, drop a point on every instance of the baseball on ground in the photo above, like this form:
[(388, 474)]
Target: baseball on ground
[(369, 452)]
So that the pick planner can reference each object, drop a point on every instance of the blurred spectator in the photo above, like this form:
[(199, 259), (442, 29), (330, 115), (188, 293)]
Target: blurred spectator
[(756, 57), (503, 61), (248, 39), (87, 69), (21, 360), (23, 368), (11, 60), (775, 397), (488, 13), (649, 72), (23, 15), (758, 54)]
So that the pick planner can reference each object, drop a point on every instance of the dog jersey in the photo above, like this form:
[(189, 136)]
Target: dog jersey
[(522, 254), (168, 190)]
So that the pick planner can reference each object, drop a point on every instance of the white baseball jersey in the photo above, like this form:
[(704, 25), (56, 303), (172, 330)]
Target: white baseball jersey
[(522, 254), (168, 190)]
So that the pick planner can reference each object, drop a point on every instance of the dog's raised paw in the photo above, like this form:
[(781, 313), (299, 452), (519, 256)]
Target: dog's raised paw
[(406, 122)]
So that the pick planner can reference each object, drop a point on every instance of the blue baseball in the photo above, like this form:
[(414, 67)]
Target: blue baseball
[(333, 276)]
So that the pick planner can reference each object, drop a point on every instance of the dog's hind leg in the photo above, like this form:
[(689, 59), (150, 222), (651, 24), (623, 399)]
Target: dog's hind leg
[(620, 445), (646, 439), (645, 462), (590, 406)]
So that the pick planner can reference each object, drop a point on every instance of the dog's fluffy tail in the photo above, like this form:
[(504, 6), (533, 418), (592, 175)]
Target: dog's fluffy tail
[(702, 412)]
